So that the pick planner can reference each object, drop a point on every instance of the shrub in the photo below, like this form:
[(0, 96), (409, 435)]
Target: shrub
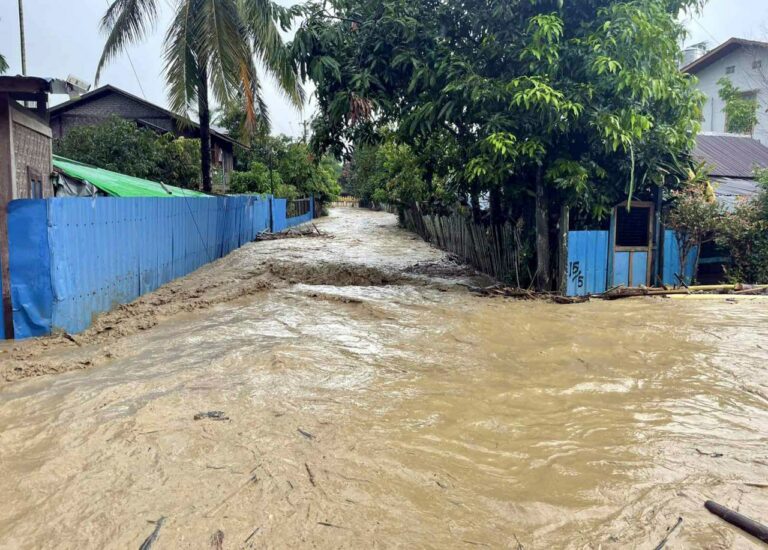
[(744, 232), (695, 217)]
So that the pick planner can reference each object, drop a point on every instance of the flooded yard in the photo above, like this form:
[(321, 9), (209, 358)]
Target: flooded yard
[(369, 400)]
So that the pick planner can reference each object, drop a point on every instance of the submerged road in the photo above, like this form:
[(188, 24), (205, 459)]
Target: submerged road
[(366, 400)]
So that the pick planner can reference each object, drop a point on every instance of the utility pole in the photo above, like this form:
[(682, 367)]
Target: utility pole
[(21, 36)]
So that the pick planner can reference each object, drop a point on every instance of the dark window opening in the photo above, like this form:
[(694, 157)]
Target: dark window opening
[(730, 70), (632, 226)]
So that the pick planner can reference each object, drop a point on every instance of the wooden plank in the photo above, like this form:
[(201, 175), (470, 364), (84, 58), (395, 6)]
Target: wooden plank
[(7, 176)]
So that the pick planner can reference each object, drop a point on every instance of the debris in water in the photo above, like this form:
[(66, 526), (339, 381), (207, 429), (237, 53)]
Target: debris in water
[(306, 434), (213, 415), (253, 534), (150, 540), (311, 475), (217, 540), (72, 339), (293, 233), (327, 524), (757, 530), (711, 455), (669, 534), (252, 480)]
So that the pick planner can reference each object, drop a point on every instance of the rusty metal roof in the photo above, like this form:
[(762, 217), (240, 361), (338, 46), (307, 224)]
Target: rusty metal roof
[(731, 155)]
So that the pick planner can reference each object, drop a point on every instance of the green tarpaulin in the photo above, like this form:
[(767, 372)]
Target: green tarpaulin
[(119, 185)]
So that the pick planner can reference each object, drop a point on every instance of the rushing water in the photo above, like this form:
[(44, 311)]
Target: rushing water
[(373, 404)]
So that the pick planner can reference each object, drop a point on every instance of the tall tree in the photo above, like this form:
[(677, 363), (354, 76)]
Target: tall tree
[(535, 103), (3, 64), (211, 49)]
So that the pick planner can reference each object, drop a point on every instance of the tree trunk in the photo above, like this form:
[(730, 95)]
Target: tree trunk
[(543, 271), (495, 200), (474, 199), (204, 113)]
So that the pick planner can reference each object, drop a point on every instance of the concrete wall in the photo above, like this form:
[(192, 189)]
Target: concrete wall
[(744, 77)]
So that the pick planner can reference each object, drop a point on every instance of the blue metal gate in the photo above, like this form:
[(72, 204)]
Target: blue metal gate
[(587, 262)]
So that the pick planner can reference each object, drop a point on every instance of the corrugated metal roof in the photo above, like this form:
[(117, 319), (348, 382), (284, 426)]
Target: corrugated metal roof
[(731, 155), (721, 51), (731, 191), (119, 185)]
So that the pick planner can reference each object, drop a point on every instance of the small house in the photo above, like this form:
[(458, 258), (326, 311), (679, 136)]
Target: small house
[(98, 105), (745, 64)]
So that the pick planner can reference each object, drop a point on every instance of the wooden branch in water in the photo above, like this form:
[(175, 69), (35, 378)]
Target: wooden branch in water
[(151, 539), (757, 530), (664, 541)]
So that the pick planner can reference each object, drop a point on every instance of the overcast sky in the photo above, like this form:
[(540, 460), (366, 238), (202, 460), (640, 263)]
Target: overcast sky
[(63, 38)]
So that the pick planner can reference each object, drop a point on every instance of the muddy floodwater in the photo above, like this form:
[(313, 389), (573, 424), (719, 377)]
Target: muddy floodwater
[(369, 400)]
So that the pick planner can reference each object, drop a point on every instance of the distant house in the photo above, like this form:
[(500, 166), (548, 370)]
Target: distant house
[(731, 160), (99, 104), (745, 63)]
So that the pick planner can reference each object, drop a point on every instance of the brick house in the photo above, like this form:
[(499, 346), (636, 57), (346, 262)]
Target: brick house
[(99, 104)]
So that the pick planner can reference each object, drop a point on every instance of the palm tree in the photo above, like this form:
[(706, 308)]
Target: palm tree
[(3, 64), (211, 46)]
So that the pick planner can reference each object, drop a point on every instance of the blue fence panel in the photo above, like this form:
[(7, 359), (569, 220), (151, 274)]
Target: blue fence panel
[(74, 258), (621, 269), (298, 220), (639, 268), (672, 260), (587, 262), (31, 291), (279, 207)]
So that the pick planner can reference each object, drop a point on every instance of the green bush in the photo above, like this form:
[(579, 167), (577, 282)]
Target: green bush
[(255, 180), (744, 232), (121, 146)]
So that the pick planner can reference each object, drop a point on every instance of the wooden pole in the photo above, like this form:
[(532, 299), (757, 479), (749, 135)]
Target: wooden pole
[(565, 216), (757, 530), (7, 176)]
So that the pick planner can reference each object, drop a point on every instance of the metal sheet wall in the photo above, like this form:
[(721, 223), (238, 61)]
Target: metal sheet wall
[(671, 260), (587, 262), (72, 258)]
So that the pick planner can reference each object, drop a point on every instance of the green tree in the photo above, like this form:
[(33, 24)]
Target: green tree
[(3, 64), (119, 145), (535, 104), (256, 180), (740, 111), (116, 144), (211, 45)]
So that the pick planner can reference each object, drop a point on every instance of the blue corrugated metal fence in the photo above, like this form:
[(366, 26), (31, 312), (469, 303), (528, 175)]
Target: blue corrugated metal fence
[(591, 259), (73, 258), (587, 262)]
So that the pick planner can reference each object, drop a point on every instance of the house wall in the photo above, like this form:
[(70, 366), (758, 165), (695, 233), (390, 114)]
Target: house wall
[(94, 111), (746, 78), (32, 147)]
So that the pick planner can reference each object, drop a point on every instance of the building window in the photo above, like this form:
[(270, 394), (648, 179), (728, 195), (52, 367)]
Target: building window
[(730, 69), (757, 64)]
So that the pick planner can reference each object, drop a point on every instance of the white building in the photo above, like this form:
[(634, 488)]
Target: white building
[(745, 63)]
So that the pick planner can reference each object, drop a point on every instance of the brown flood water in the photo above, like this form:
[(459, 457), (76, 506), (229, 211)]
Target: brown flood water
[(376, 404)]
